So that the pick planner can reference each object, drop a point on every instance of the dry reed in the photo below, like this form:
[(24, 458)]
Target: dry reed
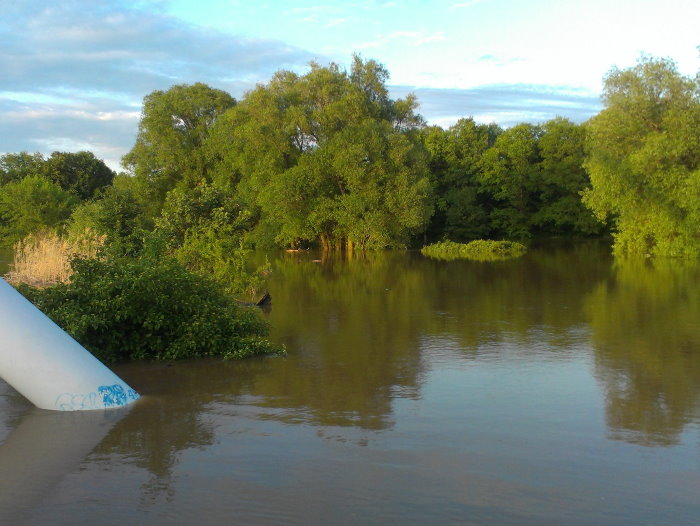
[(43, 259)]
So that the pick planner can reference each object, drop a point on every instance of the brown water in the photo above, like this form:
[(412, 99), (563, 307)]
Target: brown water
[(558, 388)]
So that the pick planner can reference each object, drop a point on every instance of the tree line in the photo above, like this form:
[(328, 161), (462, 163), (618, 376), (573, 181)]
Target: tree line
[(327, 159)]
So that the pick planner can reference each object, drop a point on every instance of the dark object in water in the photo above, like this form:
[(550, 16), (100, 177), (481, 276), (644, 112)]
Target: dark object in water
[(264, 301)]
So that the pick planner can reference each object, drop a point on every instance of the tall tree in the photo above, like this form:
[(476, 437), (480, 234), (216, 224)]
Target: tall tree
[(327, 158), (644, 159), (173, 130), (563, 178), (455, 164)]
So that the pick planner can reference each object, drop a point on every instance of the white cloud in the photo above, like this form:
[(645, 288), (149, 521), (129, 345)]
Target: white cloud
[(74, 73), (504, 104)]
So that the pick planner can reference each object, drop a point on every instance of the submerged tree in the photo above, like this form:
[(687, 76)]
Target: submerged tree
[(644, 159)]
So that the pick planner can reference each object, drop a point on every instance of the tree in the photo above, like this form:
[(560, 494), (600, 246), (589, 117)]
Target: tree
[(117, 213), (326, 158), (173, 130), (16, 166), (31, 204), (644, 159), (455, 164), (81, 173), (510, 172), (563, 178)]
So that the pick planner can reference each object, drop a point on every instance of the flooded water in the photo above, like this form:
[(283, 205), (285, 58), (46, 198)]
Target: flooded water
[(558, 388)]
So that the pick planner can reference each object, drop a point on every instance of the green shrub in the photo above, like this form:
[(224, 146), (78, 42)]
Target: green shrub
[(480, 250), (145, 308)]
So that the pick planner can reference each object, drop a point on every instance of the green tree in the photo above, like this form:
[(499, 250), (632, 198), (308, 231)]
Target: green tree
[(16, 166), (563, 179), (644, 159), (326, 158), (510, 172), (31, 204), (455, 164), (206, 229), (170, 145), (117, 213), (81, 173)]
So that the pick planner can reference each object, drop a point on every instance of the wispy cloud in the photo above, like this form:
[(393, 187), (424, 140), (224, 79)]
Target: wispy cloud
[(413, 38), (68, 64), (505, 104)]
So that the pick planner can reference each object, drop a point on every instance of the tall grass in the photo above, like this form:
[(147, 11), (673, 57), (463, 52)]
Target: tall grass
[(43, 258)]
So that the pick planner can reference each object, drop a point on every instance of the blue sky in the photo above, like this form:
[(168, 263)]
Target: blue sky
[(74, 72)]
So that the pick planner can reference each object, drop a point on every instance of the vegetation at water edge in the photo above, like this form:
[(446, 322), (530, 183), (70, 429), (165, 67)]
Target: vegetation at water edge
[(328, 160), (479, 250)]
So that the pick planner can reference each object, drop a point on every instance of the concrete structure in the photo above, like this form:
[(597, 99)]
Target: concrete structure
[(47, 366)]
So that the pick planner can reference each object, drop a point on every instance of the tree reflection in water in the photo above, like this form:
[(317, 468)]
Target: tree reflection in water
[(363, 331), (645, 323)]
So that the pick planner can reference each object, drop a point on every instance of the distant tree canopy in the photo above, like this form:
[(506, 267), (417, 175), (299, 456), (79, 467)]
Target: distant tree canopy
[(644, 159), (508, 184), (16, 166), (329, 159), (81, 173), (38, 193)]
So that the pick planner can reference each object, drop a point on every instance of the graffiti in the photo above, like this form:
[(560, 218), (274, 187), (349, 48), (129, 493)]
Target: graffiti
[(106, 396), (115, 395), (73, 402)]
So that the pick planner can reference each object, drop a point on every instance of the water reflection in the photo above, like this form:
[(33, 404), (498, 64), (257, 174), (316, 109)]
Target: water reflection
[(646, 334), (403, 370), (41, 449)]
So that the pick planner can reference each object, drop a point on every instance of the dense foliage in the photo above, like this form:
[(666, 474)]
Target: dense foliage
[(30, 204), (38, 193), (479, 250), (327, 159), (146, 308), (644, 160)]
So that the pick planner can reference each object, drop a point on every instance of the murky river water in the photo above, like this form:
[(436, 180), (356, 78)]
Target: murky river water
[(558, 388)]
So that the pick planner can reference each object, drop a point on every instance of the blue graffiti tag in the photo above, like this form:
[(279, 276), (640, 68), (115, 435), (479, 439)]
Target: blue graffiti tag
[(116, 395), (112, 396)]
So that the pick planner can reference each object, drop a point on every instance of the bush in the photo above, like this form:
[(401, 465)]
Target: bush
[(480, 250), (31, 204), (133, 309)]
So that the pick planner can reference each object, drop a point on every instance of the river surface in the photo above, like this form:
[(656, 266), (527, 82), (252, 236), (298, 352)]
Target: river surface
[(558, 388)]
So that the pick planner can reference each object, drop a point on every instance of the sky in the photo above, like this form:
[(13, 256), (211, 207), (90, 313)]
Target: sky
[(73, 73)]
